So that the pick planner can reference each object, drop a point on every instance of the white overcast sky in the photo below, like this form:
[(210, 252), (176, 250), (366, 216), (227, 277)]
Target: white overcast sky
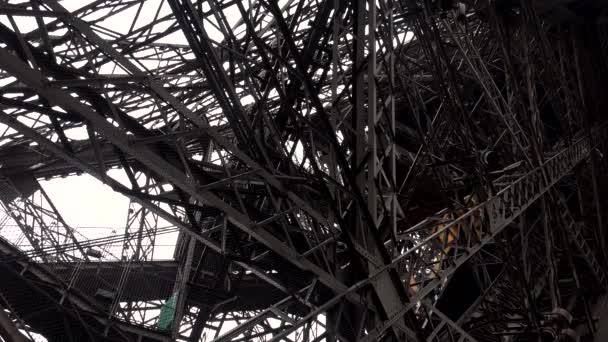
[(85, 203)]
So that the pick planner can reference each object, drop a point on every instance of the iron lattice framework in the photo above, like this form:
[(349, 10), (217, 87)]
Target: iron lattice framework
[(335, 170)]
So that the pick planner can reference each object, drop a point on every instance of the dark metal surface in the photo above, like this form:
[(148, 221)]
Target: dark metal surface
[(333, 170)]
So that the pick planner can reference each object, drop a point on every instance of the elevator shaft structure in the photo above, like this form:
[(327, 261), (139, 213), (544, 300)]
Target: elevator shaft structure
[(306, 170)]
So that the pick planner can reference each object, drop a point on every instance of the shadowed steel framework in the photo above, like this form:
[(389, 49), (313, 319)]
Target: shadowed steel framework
[(409, 170)]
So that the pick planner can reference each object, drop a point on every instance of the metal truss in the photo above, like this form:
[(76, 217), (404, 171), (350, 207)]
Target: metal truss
[(141, 225), (332, 170), (40, 226)]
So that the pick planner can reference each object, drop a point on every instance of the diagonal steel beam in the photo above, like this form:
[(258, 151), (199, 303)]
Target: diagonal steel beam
[(35, 80)]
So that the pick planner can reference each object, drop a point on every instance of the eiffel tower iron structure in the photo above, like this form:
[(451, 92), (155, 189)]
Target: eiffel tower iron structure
[(306, 170)]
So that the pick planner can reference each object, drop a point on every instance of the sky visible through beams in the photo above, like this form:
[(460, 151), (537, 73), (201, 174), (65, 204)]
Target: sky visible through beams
[(92, 208), (85, 203)]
